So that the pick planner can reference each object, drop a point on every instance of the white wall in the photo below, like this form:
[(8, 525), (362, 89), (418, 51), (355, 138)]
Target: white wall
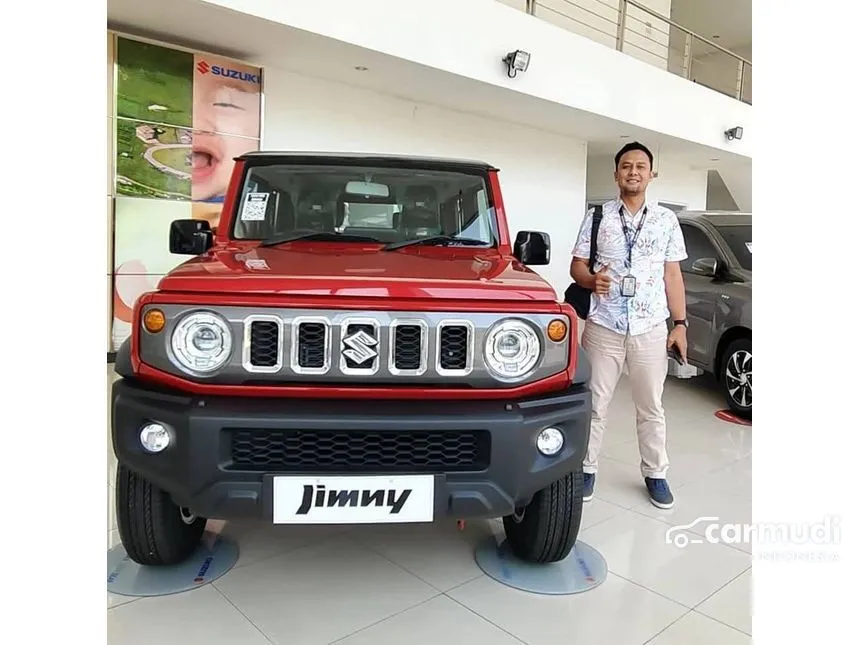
[(469, 39), (542, 174), (738, 181), (675, 183), (719, 197)]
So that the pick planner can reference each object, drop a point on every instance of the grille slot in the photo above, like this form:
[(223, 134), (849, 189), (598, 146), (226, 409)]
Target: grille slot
[(408, 347), (311, 345), (265, 350), (359, 451), (454, 347)]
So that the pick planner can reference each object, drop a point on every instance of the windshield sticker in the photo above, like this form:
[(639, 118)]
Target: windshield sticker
[(749, 246), (254, 208)]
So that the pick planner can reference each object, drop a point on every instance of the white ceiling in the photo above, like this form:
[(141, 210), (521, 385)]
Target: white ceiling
[(729, 20), (210, 28)]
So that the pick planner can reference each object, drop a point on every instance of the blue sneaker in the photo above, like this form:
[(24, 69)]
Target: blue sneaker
[(658, 491), (588, 487)]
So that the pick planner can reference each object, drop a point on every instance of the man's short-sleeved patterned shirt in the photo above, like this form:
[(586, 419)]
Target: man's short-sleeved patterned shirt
[(659, 241)]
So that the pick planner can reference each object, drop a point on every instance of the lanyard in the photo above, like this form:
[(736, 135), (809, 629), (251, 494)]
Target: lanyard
[(631, 244)]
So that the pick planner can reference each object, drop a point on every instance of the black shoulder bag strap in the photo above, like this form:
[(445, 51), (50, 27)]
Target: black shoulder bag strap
[(576, 295), (595, 226)]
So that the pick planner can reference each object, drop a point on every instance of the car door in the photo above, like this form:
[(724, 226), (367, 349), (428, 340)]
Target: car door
[(701, 295)]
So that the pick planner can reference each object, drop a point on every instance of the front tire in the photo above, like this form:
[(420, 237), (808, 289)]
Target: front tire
[(736, 377), (153, 530), (546, 530)]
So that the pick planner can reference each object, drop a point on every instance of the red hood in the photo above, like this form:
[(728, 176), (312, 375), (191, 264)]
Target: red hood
[(315, 269)]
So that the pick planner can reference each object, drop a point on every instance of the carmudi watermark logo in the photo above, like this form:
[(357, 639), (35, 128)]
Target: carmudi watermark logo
[(771, 540)]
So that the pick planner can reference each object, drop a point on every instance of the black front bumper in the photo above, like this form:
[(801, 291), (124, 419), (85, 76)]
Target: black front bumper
[(225, 452)]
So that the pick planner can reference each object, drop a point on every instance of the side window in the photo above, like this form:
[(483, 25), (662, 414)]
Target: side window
[(698, 246)]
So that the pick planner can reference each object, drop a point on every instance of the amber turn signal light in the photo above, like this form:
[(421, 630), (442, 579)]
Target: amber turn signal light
[(153, 321), (557, 330)]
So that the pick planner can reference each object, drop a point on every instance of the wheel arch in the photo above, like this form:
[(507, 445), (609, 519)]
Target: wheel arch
[(730, 335)]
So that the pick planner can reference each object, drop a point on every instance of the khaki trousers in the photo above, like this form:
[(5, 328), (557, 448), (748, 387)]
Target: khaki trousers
[(647, 365)]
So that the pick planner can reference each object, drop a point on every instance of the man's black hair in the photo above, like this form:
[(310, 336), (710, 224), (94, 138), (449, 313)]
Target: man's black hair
[(634, 145)]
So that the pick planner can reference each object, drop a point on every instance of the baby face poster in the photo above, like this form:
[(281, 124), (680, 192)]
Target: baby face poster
[(180, 120)]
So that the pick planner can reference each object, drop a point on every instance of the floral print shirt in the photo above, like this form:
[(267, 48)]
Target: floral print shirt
[(659, 241)]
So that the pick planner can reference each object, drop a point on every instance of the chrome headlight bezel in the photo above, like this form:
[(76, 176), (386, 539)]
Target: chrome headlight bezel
[(183, 355), (530, 354)]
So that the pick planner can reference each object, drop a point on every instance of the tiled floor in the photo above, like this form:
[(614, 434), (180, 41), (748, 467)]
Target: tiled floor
[(417, 584)]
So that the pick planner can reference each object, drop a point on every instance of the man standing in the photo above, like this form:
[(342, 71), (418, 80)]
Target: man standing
[(637, 286)]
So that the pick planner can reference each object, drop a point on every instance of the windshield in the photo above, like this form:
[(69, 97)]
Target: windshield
[(383, 204), (739, 239)]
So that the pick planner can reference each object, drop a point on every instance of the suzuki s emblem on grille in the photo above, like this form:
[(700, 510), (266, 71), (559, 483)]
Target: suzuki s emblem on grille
[(361, 347)]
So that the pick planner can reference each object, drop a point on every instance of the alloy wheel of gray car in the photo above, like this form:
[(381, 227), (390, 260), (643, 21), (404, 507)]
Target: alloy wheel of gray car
[(737, 376)]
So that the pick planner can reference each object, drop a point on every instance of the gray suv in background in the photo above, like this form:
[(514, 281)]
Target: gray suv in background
[(718, 277)]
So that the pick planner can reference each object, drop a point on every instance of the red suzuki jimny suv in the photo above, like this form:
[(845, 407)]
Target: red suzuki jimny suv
[(358, 340)]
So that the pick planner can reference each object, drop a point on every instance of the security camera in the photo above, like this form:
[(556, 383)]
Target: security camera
[(736, 132), (517, 61)]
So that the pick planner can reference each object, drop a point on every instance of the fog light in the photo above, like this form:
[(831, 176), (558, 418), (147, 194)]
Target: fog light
[(550, 442), (154, 437)]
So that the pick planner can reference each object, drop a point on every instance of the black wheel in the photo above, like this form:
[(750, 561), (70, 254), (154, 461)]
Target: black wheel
[(736, 376), (153, 530), (546, 530)]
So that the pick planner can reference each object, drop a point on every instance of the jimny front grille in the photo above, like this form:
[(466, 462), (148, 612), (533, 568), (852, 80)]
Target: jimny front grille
[(363, 347)]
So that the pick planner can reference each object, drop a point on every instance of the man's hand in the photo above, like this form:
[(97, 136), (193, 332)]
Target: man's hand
[(602, 281), (677, 300), (598, 282), (678, 338)]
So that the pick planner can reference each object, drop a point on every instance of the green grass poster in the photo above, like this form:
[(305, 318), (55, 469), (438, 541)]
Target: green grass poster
[(181, 118)]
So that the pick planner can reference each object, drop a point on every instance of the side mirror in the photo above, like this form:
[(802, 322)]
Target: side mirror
[(706, 267), (532, 247), (190, 236)]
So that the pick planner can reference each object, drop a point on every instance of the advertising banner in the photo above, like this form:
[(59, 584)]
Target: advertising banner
[(181, 118)]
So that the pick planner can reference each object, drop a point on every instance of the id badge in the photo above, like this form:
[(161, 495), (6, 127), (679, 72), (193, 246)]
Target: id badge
[(628, 286)]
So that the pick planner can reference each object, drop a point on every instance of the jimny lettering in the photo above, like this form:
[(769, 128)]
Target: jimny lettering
[(319, 497)]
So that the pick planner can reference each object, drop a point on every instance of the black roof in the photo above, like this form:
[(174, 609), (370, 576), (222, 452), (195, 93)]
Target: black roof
[(355, 158)]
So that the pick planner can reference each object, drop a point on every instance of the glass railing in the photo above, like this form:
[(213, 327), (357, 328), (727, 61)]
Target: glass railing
[(641, 32)]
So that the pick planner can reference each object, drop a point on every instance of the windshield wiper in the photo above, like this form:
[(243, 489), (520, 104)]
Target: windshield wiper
[(434, 240), (321, 236)]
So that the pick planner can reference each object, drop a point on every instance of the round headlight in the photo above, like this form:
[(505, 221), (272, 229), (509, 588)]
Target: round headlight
[(201, 342), (512, 349)]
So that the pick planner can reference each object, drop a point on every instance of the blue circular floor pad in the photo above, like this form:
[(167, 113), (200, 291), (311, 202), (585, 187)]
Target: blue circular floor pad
[(580, 571), (214, 557)]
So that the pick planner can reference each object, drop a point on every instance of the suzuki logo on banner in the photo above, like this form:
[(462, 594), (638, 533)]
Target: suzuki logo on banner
[(361, 347), (204, 68)]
